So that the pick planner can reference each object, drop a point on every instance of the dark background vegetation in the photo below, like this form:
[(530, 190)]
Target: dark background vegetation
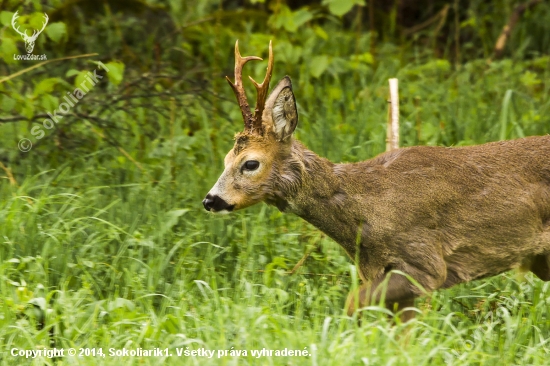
[(103, 239)]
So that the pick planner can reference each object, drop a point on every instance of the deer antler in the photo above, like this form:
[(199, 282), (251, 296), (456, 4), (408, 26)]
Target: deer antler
[(251, 122), (238, 88), (36, 32), (262, 90), (24, 34), (13, 19)]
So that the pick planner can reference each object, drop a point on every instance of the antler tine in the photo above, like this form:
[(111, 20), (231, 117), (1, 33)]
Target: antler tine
[(37, 32), (262, 90), (13, 20), (44, 24), (238, 88)]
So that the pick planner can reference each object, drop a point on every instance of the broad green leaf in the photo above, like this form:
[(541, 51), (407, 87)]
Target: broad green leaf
[(289, 25), (45, 86), (116, 71), (428, 131), (530, 78), (27, 108), (56, 31), (541, 62), (35, 22), (5, 18), (290, 20), (318, 65), (49, 102), (8, 103), (321, 33), (71, 72), (8, 49), (80, 79), (364, 57), (301, 17), (279, 20), (340, 7)]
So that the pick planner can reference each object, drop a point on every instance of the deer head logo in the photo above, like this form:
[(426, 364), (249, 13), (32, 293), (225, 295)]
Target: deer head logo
[(29, 41)]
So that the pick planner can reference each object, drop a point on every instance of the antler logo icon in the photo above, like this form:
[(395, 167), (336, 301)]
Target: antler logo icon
[(29, 41)]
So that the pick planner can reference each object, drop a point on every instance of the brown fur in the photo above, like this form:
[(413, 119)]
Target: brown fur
[(441, 215)]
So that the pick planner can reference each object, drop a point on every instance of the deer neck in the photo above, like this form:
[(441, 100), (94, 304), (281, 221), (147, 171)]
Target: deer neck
[(314, 188)]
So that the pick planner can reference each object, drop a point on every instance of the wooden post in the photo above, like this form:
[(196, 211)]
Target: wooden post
[(418, 120), (392, 136)]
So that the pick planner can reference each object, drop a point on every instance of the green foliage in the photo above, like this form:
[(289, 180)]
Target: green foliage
[(341, 7), (290, 20), (104, 239), (115, 71), (56, 31)]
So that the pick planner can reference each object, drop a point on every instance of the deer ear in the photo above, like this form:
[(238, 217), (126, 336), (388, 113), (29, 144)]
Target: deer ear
[(280, 112)]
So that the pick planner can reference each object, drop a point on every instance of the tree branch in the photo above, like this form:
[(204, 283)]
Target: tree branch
[(507, 30)]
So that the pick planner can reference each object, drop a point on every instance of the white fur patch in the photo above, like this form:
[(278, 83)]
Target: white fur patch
[(279, 121), (284, 114), (222, 212)]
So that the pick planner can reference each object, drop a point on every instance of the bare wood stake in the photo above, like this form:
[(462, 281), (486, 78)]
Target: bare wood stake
[(392, 137), (418, 119)]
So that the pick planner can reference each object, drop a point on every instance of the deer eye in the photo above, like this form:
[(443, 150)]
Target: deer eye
[(251, 165)]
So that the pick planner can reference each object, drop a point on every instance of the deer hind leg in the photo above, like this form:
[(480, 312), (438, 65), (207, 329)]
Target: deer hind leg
[(399, 294)]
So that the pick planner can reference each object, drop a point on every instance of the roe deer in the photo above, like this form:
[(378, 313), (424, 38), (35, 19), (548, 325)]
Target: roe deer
[(440, 215)]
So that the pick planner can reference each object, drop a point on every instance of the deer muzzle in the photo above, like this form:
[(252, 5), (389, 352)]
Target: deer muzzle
[(215, 203)]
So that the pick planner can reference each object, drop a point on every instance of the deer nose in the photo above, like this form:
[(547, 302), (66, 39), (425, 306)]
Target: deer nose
[(208, 202), (216, 203)]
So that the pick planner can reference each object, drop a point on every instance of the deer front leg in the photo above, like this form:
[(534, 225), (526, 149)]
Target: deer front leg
[(422, 261), (428, 269), (399, 294)]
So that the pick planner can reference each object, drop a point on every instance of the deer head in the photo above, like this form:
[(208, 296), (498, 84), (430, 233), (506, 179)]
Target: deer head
[(252, 167), (29, 40)]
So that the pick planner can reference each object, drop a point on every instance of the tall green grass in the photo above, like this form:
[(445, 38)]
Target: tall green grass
[(127, 265), (96, 252)]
